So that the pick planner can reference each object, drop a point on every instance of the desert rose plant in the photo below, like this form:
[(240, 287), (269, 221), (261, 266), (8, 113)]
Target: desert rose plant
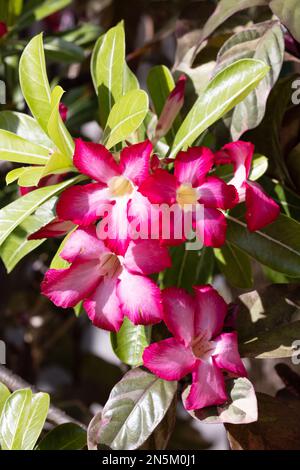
[(146, 217)]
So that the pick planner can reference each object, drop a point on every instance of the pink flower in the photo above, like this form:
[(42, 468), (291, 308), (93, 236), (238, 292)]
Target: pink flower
[(116, 185), (191, 185), (55, 228), (171, 108), (3, 29), (110, 285), (63, 111), (199, 346), (261, 210)]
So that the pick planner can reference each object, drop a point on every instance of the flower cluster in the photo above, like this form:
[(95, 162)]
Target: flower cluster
[(110, 265)]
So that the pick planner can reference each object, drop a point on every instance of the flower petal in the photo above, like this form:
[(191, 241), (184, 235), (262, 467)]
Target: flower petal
[(240, 154), (67, 287), (208, 387), (83, 244), (140, 299), (56, 228), (227, 355), (211, 310), (261, 210), (146, 257), (135, 161), (214, 192), (178, 314), (212, 227), (168, 359), (192, 166), (114, 227), (83, 204), (103, 307), (95, 161), (160, 187)]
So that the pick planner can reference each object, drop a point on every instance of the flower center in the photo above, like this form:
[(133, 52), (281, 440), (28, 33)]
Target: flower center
[(110, 265), (120, 186), (201, 346), (186, 194)]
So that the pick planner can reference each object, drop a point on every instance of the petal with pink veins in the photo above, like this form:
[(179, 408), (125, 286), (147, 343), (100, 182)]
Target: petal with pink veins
[(240, 154), (227, 355), (192, 166), (214, 192), (213, 227), (140, 214), (114, 227), (261, 210), (67, 287), (83, 245), (160, 187), (95, 161), (178, 314), (103, 307), (169, 359), (146, 257), (135, 161), (140, 298), (210, 312), (56, 228), (83, 205), (208, 387)]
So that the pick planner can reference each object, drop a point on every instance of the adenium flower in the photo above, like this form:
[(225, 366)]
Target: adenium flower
[(116, 185), (110, 285), (198, 346), (55, 228), (189, 185), (261, 210)]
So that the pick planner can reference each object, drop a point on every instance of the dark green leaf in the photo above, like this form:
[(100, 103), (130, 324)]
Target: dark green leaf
[(67, 436)]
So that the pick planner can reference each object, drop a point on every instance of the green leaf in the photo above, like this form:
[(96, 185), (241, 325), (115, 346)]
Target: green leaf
[(225, 91), (241, 407), (125, 117), (22, 419), (58, 131), (24, 126), (30, 176), (107, 69), (288, 11), (34, 11), (189, 268), (67, 436), (4, 394), (265, 42), (130, 341), (16, 149), (136, 405), (59, 50), (16, 246), (160, 83), (276, 246), (130, 82), (34, 81), (265, 324), (235, 265), (14, 213)]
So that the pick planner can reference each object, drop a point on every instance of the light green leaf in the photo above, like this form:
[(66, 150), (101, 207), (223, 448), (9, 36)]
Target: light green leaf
[(16, 149), (107, 69), (235, 265), (130, 82), (36, 420), (14, 174), (13, 419), (130, 341), (262, 41), (16, 246), (24, 126), (14, 213), (136, 405), (225, 91), (125, 117), (276, 246), (67, 436), (4, 394), (241, 407), (58, 131), (57, 49), (288, 11), (30, 176), (34, 81)]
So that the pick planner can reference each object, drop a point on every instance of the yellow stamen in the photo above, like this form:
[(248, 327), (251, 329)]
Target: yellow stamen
[(186, 195), (120, 186)]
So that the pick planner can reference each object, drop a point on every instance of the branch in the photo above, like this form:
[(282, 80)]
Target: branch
[(14, 382)]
